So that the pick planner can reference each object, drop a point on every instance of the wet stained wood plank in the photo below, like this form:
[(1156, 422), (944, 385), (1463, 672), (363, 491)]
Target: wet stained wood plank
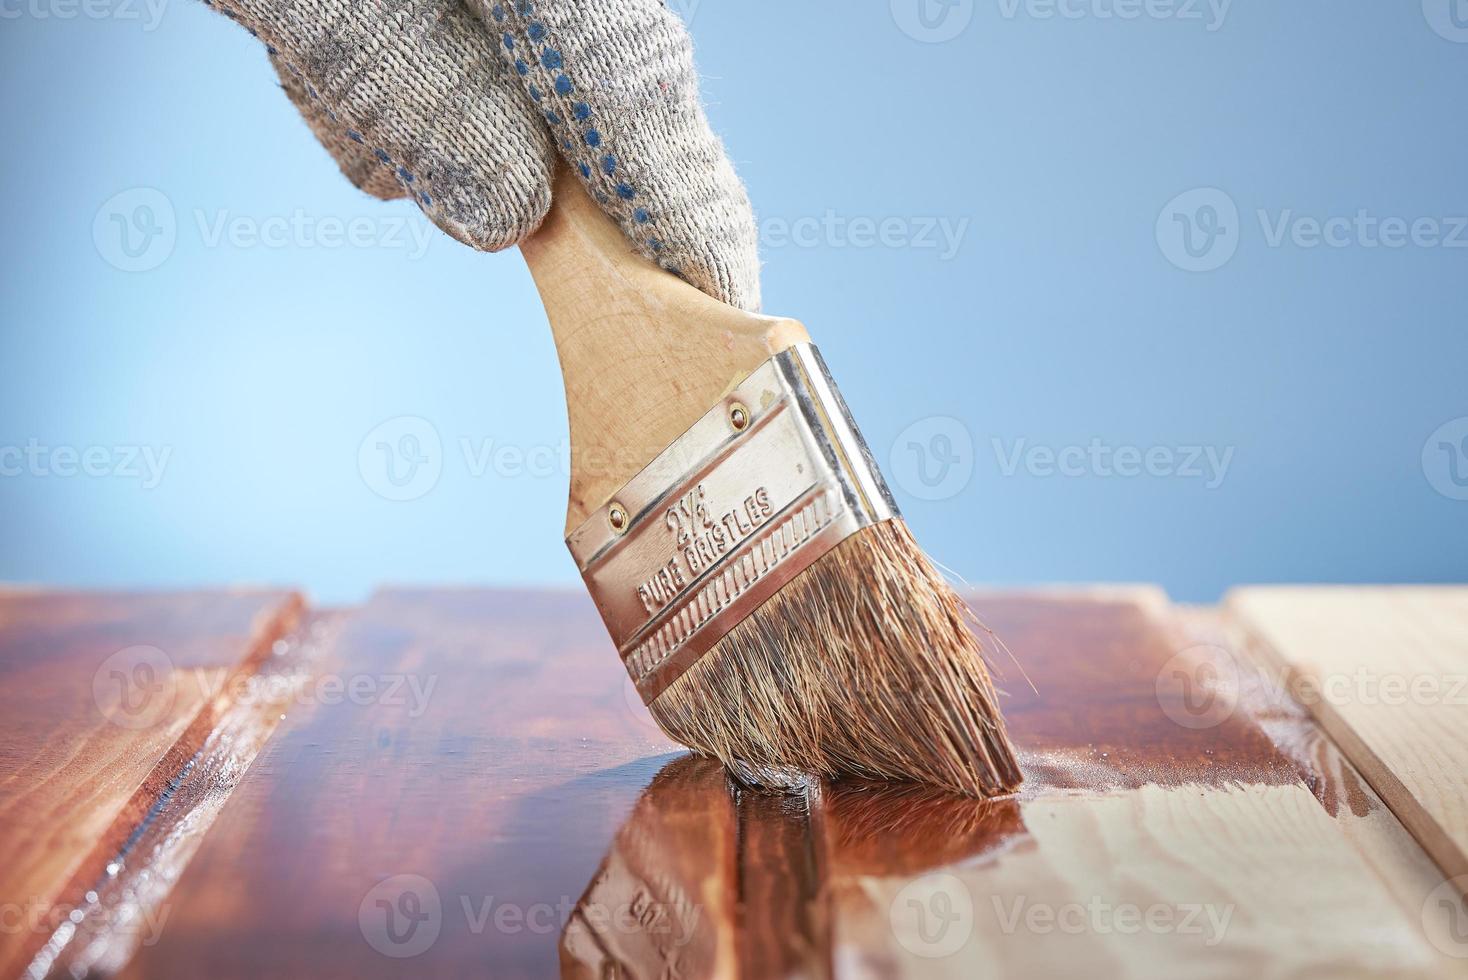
[(103, 699), (1385, 670), (441, 821), (520, 816)]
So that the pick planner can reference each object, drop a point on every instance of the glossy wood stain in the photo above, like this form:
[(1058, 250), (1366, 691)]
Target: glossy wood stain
[(530, 817)]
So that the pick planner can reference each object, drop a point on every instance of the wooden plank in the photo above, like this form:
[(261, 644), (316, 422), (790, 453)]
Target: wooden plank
[(1385, 670), (443, 823), (128, 908), (525, 819), (103, 699), (1393, 854)]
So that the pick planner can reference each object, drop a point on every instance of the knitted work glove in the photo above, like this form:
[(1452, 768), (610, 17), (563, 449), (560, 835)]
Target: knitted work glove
[(464, 109)]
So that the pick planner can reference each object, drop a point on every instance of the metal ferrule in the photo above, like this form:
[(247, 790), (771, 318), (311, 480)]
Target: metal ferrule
[(768, 481)]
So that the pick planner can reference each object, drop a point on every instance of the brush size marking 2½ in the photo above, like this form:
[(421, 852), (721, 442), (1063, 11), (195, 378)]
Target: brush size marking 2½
[(700, 540)]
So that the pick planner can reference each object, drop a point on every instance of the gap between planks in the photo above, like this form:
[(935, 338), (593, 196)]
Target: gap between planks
[(126, 907), (1385, 672)]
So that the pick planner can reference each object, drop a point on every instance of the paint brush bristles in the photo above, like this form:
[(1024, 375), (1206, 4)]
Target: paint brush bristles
[(864, 664)]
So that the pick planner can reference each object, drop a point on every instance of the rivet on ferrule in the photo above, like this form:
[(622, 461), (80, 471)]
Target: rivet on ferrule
[(617, 518), (738, 417)]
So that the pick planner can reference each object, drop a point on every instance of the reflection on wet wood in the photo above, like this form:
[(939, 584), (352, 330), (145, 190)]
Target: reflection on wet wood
[(782, 922), (722, 882), (675, 861), (103, 699)]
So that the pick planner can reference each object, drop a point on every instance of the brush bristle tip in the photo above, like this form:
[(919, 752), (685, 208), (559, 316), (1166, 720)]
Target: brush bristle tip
[(864, 664)]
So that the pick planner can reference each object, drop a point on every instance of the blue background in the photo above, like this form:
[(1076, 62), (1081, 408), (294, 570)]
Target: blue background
[(1060, 319)]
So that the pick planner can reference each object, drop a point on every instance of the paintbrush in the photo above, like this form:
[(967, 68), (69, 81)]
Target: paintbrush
[(767, 600)]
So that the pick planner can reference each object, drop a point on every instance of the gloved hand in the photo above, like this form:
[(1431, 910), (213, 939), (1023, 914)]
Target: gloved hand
[(464, 110)]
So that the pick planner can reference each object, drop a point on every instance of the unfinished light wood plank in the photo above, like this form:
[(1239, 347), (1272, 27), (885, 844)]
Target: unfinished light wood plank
[(1162, 832), (1386, 672), (1393, 854), (103, 699)]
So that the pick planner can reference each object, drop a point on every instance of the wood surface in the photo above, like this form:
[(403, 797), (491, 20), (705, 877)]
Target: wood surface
[(549, 828), (1394, 855), (643, 354), (496, 794), (1159, 833), (1385, 670), (103, 699)]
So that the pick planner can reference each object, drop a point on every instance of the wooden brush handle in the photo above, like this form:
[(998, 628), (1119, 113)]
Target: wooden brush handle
[(643, 354)]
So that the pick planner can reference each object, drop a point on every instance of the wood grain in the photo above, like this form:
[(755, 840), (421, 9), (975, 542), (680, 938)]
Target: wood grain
[(548, 828), (643, 354), (486, 800), (1388, 848), (1385, 670), (1159, 833), (103, 699)]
